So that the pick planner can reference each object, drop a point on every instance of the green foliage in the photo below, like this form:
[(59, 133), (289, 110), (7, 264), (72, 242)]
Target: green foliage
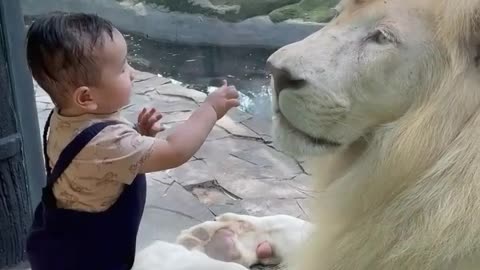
[(252, 8), (278, 10), (308, 10), (180, 6)]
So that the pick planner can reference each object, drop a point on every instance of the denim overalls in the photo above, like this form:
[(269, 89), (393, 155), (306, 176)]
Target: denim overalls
[(62, 239)]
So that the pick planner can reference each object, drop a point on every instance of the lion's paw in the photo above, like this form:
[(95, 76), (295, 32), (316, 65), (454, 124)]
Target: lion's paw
[(229, 238)]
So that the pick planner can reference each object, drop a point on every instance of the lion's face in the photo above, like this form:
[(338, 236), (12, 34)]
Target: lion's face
[(362, 71)]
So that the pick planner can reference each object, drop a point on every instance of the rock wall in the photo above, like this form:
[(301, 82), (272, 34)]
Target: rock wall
[(199, 22), (238, 10)]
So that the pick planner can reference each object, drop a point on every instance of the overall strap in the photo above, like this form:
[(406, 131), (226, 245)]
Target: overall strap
[(45, 137), (72, 149)]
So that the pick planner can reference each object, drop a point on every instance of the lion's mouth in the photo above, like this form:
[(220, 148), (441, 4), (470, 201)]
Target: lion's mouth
[(313, 140)]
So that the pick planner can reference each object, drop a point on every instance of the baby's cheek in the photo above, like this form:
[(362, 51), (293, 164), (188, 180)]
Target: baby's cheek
[(127, 92), (124, 90)]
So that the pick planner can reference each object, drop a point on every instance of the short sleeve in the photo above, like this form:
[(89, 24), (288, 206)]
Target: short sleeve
[(117, 153)]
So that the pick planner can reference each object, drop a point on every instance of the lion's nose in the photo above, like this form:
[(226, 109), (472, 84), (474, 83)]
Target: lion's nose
[(283, 78)]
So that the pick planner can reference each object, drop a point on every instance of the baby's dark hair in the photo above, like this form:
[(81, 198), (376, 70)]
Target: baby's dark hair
[(61, 51)]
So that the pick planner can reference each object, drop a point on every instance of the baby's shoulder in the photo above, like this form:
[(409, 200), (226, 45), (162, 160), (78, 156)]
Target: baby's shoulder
[(63, 130)]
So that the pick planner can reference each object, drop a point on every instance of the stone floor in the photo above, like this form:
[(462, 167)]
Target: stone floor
[(236, 170)]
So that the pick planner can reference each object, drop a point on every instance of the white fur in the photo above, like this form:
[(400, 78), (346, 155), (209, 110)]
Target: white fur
[(284, 233), (402, 191), (168, 256)]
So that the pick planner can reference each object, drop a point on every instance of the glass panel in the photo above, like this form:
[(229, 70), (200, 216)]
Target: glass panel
[(184, 49), (200, 42)]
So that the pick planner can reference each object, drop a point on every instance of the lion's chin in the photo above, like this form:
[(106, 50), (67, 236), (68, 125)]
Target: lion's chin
[(297, 143)]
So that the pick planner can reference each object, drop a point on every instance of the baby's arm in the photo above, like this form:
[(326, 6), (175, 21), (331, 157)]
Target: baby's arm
[(185, 141)]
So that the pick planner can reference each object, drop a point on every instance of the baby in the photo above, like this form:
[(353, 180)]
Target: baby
[(96, 162)]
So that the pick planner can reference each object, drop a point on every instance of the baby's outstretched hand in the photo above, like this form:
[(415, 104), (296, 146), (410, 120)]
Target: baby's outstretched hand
[(223, 99), (148, 122)]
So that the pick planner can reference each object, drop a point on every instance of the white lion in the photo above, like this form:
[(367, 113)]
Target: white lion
[(387, 97), (391, 90)]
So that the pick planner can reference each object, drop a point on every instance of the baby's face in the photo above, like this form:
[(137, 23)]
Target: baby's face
[(113, 91)]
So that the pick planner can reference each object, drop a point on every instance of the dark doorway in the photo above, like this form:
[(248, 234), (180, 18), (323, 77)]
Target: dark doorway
[(21, 162)]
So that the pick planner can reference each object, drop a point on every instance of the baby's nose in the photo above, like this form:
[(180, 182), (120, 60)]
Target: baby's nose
[(132, 74)]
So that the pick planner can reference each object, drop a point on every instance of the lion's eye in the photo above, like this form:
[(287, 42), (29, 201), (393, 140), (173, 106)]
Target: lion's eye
[(381, 37)]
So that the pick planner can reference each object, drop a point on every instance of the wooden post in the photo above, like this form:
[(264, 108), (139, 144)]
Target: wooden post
[(21, 163)]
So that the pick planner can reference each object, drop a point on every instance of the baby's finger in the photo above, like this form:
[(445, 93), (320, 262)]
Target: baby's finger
[(231, 92), (140, 116), (150, 114), (157, 127), (223, 87), (144, 121), (232, 103), (153, 119)]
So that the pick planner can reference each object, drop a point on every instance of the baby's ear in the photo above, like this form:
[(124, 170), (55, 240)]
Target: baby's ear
[(84, 97)]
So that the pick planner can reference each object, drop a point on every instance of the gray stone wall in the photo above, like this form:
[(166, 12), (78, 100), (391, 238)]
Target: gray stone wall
[(162, 24)]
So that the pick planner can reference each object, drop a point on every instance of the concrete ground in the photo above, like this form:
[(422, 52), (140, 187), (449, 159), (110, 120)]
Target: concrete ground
[(236, 170)]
